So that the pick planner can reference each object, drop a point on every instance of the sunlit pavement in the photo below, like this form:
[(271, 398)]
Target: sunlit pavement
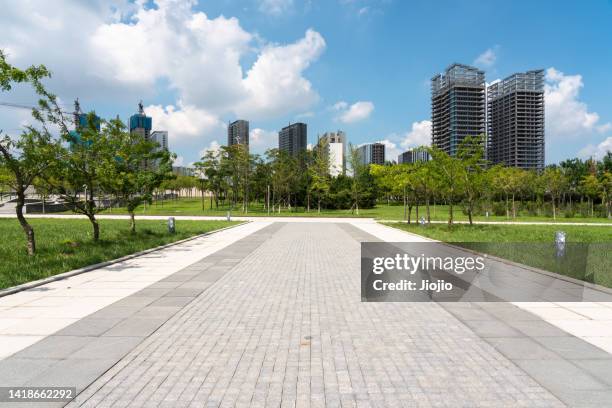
[(273, 317)]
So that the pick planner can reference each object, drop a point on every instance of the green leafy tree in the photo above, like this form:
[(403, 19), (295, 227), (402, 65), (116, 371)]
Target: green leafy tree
[(471, 157), (555, 183), (449, 171), (591, 187), (319, 172), (138, 168), (30, 155)]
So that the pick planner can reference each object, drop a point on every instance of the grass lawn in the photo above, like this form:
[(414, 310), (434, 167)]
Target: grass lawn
[(193, 206), (588, 254), (63, 245)]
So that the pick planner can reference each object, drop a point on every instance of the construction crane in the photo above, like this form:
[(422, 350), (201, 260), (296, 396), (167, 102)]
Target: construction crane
[(75, 114)]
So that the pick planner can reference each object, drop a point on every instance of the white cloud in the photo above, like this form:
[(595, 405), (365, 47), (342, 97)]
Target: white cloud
[(275, 84), (200, 59), (391, 150), (275, 7), (178, 161), (354, 113), (156, 48), (598, 151), (186, 125), (214, 146), (566, 115), (419, 135), (486, 59), (260, 139)]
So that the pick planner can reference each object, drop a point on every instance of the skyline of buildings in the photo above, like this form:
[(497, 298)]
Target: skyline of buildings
[(510, 113)]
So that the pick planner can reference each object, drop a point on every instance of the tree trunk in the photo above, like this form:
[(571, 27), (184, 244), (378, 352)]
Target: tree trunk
[(428, 214), (95, 225), (132, 222), (409, 212), (507, 207), (513, 207), (554, 209), (450, 213), (470, 214), (27, 228)]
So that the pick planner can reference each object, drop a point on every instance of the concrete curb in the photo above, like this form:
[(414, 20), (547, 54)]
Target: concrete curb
[(575, 281), (88, 268)]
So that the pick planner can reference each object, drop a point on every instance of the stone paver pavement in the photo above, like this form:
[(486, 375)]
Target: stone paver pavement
[(285, 327)]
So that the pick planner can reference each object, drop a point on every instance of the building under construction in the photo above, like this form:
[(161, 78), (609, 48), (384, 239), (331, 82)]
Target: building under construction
[(516, 121), (457, 106)]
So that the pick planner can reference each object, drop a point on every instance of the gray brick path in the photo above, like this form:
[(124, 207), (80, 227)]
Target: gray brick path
[(285, 327)]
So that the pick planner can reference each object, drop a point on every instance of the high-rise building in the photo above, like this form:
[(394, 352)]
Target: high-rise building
[(292, 139), (372, 153), (516, 121), (457, 106), (140, 123), (238, 133), (336, 150), (161, 138), (417, 154)]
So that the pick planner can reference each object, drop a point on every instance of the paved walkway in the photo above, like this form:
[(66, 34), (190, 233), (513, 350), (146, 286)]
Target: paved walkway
[(275, 319)]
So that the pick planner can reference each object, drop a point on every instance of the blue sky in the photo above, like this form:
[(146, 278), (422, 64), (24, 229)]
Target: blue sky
[(358, 65)]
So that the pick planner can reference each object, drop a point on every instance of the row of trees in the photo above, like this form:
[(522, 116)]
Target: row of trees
[(466, 180), (82, 167), (278, 180), (235, 178)]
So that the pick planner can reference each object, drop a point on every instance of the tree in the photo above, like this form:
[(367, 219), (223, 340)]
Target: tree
[(449, 171), (319, 172), (138, 168), (33, 152), (358, 169), (555, 183), (87, 168), (592, 189), (471, 156)]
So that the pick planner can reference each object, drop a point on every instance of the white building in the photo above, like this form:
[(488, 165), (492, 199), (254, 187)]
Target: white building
[(336, 149), (160, 137)]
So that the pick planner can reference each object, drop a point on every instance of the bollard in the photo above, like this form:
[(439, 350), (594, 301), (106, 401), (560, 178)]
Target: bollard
[(171, 225), (560, 243), (228, 216)]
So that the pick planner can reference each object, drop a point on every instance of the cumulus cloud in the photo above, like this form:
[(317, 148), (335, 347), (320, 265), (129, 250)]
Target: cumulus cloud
[(354, 113), (261, 140), (486, 59), (566, 115), (275, 7), (214, 146), (200, 58), (596, 151), (178, 161), (391, 150), (185, 123), (143, 48), (275, 83), (419, 135)]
